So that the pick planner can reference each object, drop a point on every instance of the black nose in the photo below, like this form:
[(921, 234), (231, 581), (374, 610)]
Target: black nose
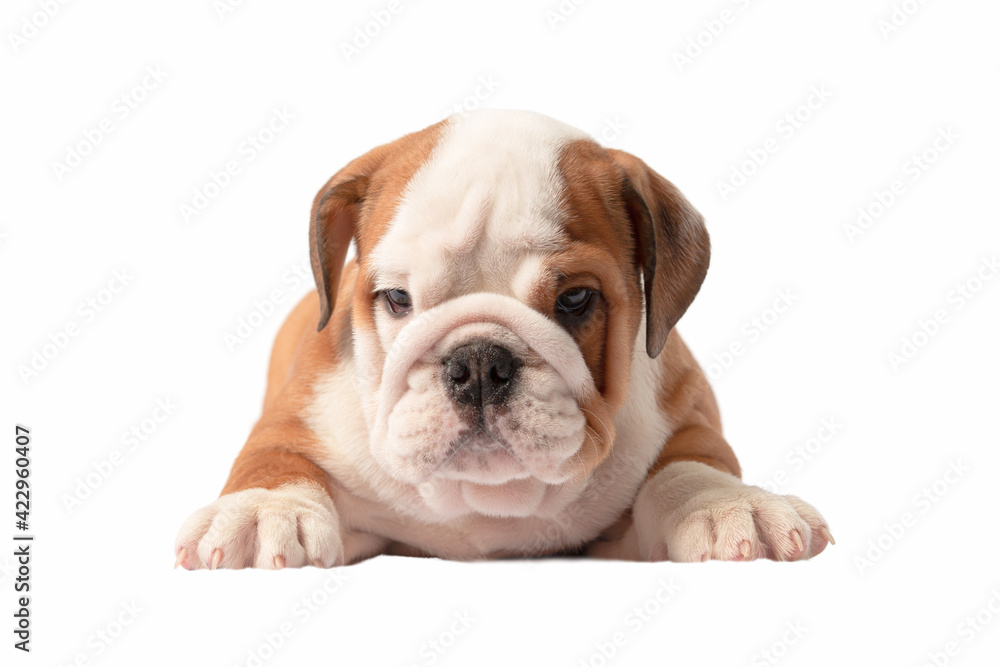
[(480, 374)]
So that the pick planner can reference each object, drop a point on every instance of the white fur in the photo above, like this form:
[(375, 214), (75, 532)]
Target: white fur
[(440, 518), (692, 512), (468, 238), (468, 242), (297, 522), (488, 196), (539, 429)]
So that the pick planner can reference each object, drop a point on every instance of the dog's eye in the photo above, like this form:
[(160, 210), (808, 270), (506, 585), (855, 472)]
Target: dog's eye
[(399, 301), (575, 303)]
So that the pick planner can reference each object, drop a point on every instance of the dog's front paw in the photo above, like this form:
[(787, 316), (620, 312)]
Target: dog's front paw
[(291, 526), (692, 512)]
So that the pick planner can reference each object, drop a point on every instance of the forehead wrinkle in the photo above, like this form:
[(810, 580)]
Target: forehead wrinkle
[(470, 224), (437, 285), (530, 275), (491, 192)]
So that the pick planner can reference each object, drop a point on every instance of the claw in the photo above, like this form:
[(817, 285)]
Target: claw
[(745, 549), (216, 558), (279, 562), (316, 563), (800, 548), (181, 555), (825, 532)]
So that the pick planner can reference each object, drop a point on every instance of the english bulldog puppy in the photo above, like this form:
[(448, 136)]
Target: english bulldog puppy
[(495, 373)]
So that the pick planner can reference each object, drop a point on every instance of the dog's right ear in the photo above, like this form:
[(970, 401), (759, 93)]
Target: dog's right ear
[(342, 208), (333, 224)]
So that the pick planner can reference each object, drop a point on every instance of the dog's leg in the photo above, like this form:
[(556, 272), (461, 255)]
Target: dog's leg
[(693, 507), (275, 511)]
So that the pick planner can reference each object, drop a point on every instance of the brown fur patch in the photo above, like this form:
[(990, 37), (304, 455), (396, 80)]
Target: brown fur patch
[(601, 250), (358, 203), (281, 448), (686, 399), (601, 216)]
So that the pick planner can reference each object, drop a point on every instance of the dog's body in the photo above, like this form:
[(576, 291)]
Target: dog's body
[(493, 375)]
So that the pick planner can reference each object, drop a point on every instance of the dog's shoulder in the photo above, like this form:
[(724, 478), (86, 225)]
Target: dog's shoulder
[(300, 351)]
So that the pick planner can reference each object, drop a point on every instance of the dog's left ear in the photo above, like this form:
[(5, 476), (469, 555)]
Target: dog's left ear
[(671, 244)]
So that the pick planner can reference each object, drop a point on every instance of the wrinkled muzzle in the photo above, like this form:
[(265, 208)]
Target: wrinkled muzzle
[(482, 404)]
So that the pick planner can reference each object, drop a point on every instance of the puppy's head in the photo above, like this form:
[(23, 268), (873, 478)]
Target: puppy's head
[(506, 263)]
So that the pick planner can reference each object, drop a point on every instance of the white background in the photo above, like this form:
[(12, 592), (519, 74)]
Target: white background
[(608, 65)]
